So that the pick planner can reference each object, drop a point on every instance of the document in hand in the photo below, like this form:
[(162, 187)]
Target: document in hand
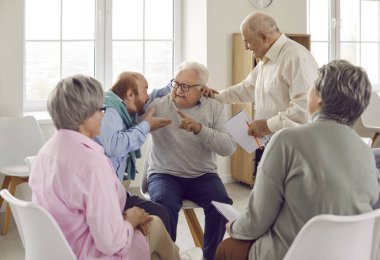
[(228, 211), (238, 126)]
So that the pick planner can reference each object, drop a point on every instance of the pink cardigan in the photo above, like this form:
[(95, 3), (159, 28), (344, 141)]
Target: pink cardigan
[(73, 179)]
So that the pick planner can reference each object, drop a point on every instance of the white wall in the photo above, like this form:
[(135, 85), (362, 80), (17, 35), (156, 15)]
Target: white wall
[(11, 57), (207, 26)]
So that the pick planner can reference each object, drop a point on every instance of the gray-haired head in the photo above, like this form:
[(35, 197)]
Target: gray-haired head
[(258, 22), (73, 100), (345, 91), (199, 68)]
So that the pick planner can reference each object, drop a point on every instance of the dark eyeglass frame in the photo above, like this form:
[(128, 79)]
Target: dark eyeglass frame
[(185, 88), (103, 109)]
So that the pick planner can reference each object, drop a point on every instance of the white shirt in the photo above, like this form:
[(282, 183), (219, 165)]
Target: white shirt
[(278, 85)]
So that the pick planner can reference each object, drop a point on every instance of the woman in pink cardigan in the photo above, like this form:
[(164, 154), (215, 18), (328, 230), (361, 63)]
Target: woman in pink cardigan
[(73, 179)]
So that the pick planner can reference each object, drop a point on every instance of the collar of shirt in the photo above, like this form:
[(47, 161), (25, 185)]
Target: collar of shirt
[(78, 137), (274, 51), (320, 116)]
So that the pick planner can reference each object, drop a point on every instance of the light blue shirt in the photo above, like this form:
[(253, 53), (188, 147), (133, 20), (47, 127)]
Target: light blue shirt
[(117, 140)]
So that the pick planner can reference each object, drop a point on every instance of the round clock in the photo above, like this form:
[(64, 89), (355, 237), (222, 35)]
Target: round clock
[(260, 4)]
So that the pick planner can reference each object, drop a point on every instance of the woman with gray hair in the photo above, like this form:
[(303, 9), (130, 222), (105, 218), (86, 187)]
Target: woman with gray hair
[(73, 179), (322, 167)]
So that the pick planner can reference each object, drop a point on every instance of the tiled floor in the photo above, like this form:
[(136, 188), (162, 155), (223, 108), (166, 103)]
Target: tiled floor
[(11, 247)]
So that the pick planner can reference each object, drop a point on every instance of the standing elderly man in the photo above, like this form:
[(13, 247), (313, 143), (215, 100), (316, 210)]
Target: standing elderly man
[(278, 85), (122, 138), (182, 164)]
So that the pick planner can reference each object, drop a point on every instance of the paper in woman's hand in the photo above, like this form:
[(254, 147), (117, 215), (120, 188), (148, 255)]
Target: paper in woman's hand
[(227, 210)]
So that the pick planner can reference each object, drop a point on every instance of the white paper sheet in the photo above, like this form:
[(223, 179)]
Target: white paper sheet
[(237, 126), (228, 211)]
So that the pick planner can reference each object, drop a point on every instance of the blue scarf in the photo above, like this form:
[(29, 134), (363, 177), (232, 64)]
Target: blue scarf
[(112, 100)]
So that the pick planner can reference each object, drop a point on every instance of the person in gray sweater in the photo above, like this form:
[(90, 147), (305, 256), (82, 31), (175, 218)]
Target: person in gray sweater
[(183, 161), (322, 167)]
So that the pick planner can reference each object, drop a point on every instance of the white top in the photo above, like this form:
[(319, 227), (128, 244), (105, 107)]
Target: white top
[(278, 85)]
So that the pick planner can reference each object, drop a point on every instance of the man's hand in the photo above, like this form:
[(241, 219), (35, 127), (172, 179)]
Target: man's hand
[(156, 122), (259, 128), (138, 218), (208, 92), (189, 124)]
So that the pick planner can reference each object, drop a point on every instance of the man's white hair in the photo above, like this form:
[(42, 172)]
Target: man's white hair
[(199, 68), (260, 22)]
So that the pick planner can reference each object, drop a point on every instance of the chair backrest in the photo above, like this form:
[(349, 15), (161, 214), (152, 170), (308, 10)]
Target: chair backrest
[(41, 235), (19, 137), (331, 237), (144, 173), (367, 141), (376, 154), (370, 116), (29, 160)]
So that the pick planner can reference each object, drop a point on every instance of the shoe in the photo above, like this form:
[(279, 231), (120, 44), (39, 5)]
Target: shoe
[(192, 254)]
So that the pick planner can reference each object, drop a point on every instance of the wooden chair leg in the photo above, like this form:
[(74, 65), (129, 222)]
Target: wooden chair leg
[(195, 227), (5, 185), (14, 181), (374, 138)]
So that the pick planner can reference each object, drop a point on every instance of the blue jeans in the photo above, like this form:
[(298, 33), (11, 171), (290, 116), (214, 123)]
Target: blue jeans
[(170, 190)]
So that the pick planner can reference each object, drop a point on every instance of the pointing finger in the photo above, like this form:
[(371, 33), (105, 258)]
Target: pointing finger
[(182, 115)]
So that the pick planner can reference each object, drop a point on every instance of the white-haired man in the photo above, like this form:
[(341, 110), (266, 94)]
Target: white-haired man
[(279, 84), (182, 164)]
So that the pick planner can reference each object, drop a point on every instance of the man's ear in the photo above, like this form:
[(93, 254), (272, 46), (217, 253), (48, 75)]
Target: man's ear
[(264, 37), (130, 95), (319, 99)]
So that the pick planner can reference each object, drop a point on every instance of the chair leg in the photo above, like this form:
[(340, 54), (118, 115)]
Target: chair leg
[(5, 185), (374, 138), (12, 190), (195, 227)]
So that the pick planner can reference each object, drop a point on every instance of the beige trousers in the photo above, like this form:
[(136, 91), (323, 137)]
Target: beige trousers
[(161, 245)]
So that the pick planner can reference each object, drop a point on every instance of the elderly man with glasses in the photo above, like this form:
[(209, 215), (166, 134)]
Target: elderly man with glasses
[(182, 164)]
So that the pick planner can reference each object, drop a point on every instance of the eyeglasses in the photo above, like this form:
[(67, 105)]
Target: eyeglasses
[(184, 87), (103, 109)]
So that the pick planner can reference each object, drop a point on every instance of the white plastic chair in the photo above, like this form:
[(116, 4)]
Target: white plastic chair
[(40, 234), (187, 205), (331, 237), (367, 141), (19, 137), (370, 117)]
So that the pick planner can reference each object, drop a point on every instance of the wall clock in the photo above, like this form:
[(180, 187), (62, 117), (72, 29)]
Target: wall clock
[(260, 4)]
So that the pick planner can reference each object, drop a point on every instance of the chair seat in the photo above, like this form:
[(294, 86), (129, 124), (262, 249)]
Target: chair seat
[(186, 204), (15, 170)]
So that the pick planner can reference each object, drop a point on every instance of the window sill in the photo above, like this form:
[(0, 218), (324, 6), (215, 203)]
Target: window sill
[(42, 117)]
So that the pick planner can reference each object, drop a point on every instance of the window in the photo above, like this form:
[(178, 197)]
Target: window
[(349, 31), (99, 38)]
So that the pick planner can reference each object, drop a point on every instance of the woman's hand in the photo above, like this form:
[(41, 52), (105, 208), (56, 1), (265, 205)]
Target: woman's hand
[(138, 218), (228, 228)]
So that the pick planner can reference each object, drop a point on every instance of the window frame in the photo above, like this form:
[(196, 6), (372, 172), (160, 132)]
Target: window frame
[(103, 47), (334, 41)]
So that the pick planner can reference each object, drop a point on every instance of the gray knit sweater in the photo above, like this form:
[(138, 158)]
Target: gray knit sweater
[(184, 154), (318, 168)]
